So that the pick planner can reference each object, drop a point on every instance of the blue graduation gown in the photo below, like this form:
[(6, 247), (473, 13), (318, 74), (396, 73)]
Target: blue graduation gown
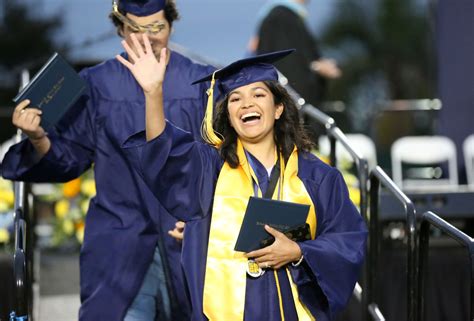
[(174, 164), (125, 221)]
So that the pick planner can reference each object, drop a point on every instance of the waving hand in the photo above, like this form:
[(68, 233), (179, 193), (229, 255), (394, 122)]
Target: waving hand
[(142, 63)]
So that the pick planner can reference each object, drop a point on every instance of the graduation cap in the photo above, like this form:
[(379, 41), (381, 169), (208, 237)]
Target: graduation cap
[(139, 8), (237, 74)]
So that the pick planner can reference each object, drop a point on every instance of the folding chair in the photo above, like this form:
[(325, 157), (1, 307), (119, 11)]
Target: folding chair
[(360, 142), (424, 150), (468, 151)]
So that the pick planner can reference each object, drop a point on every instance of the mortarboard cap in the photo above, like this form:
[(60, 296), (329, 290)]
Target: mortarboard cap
[(140, 8), (246, 71), (237, 74)]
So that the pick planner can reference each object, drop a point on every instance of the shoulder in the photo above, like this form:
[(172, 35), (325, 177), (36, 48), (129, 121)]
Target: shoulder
[(105, 67), (310, 167), (180, 73), (193, 69), (111, 81), (280, 12)]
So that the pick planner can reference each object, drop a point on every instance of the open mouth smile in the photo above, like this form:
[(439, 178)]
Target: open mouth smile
[(250, 117)]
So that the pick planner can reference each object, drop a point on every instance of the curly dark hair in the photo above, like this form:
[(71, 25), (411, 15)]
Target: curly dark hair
[(171, 15), (288, 129)]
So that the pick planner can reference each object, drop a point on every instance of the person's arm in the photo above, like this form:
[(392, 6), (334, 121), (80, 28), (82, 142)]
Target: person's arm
[(150, 73), (327, 68), (62, 154), (170, 161), (340, 242)]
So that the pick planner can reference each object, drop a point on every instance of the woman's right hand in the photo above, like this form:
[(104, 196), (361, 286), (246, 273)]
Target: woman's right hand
[(28, 119)]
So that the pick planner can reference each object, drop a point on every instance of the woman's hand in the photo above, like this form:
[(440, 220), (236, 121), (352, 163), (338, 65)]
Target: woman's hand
[(28, 119), (142, 63), (280, 253), (178, 232)]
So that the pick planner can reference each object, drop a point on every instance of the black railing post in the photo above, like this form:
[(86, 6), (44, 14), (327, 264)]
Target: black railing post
[(336, 135), (22, 256), (332, 151), (377, 177), (373, 242), (423, 244), (429, 219)]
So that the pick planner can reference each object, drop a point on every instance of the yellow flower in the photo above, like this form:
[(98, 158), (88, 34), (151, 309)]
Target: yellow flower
[(61, 208), (7, 196), (351, 180), (354, 195), (88, 187), (3, 206), (4, 184), (68, 227), (85, 206), (324, 158), (80, 233), (72, 188), (4, 235)]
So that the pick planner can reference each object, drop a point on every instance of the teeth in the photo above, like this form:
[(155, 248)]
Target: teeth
[(253, 114)]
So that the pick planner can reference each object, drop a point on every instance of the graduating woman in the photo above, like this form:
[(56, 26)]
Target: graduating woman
[(209, 185)]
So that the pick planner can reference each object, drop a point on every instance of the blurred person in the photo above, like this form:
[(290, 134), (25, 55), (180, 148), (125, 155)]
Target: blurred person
[(261, 141), (283, 25), (130, 266)]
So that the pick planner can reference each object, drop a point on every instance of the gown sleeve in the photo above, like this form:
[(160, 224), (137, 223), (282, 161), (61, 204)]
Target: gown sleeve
[(179, 171), (332, 262), (71, 152)]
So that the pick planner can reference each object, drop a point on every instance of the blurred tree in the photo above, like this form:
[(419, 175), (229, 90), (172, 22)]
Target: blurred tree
[(26, 41), (386, 51), (24, 36)]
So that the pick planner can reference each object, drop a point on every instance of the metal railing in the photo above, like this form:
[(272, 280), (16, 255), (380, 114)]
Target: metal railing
[(336, 135), (375, 313), (429, 219), (22, 256), (379, 177)]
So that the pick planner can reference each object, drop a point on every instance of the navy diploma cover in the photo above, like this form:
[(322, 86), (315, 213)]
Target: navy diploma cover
[(53, 89), (280, 215)]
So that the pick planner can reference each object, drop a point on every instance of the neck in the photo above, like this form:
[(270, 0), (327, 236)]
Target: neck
[(263, 151)]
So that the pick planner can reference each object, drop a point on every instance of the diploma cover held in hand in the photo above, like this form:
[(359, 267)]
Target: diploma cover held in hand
[(53, 89), (280, 215)]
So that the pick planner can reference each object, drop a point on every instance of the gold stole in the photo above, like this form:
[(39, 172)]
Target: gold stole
[(225, 279)]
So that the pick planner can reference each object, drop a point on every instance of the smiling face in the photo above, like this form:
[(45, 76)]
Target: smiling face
[(159, 39), (252, 112)]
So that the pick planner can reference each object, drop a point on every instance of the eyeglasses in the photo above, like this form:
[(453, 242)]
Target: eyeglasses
[(152, 28)]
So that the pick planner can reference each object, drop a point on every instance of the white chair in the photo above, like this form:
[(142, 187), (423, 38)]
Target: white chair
[(424, 150), (360, 142), (468, 151)]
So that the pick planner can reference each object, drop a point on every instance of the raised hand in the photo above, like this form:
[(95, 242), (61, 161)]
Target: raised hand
[(28, 120), (279, 254), (147, 70), (327, 68)]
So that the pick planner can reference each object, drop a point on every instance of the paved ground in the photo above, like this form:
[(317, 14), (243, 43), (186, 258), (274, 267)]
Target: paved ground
[(58, 287)]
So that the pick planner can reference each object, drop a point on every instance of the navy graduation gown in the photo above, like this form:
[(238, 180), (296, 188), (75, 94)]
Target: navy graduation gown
[(125, 221), (174, 164)]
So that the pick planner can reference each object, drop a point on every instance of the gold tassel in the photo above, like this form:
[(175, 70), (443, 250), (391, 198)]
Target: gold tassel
[(207, 131)]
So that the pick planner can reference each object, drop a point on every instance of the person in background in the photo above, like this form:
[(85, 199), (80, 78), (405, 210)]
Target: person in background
[(257, 140), (129, 265), (283, 25)]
